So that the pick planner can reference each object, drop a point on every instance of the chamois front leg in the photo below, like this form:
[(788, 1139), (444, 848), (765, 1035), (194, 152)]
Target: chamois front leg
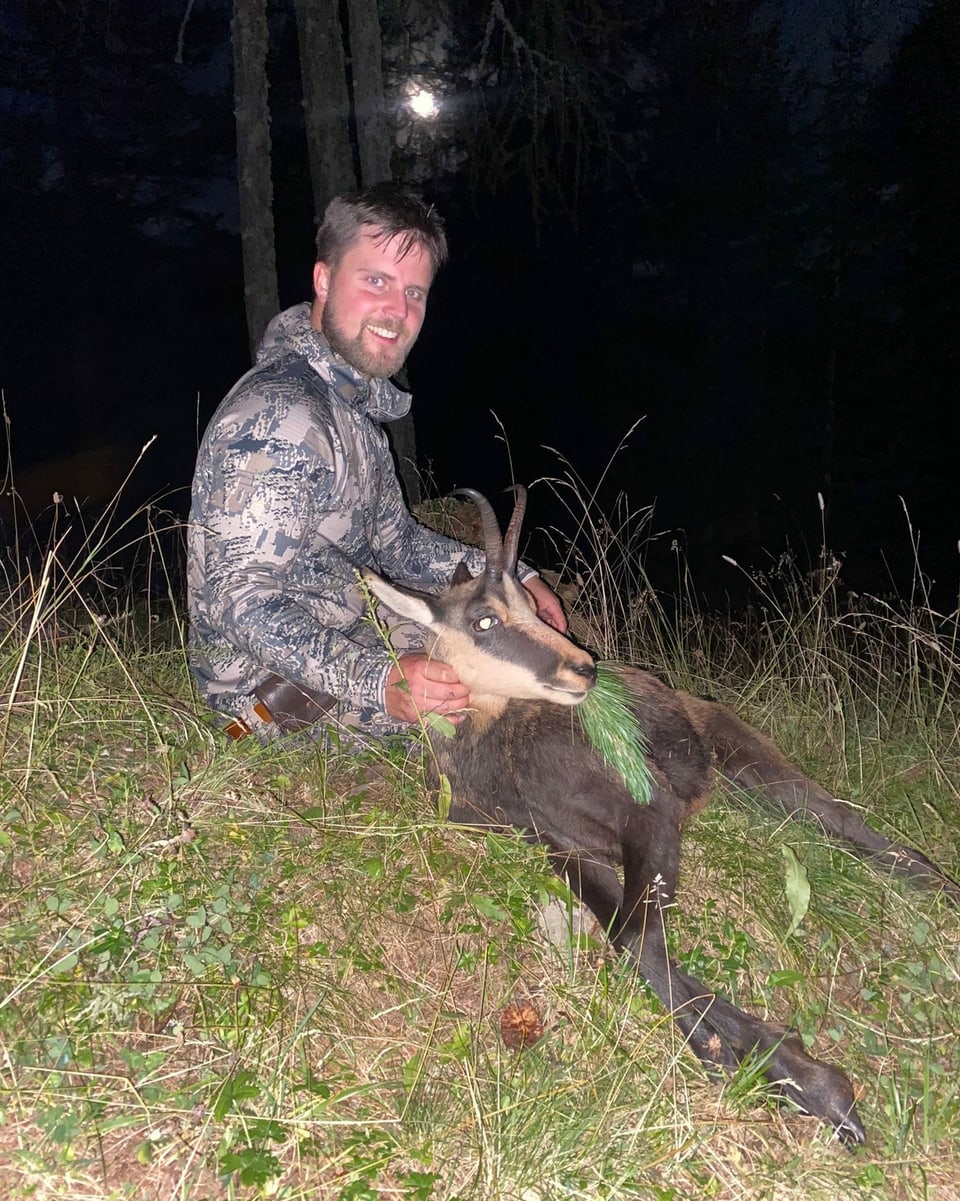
[(718, 1033), (634, 922)]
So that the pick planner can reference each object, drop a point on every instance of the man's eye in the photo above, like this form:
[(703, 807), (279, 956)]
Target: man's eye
[(375, 280), (487, 622), (415, 294)]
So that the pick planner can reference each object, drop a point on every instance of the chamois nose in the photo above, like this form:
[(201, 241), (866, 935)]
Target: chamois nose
[(587, 670)]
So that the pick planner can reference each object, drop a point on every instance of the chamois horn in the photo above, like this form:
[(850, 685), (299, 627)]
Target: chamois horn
[(491, 533)]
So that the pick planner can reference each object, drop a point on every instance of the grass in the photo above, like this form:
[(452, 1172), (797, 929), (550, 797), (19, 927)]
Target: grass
[(236, 971)]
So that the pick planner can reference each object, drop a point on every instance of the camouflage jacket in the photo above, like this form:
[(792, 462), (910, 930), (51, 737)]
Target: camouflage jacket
[(294, 489)]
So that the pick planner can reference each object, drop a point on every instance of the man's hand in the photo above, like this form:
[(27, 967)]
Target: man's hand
[(418, 684), (547, 605)]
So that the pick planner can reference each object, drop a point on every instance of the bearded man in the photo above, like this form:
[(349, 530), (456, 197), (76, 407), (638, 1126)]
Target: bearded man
[(295, 490)]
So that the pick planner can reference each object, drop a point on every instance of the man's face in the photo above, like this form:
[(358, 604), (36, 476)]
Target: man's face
[(371, 306)]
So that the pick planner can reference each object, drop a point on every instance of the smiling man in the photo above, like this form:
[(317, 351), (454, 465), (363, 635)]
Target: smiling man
[(370, 307), (295, 489)]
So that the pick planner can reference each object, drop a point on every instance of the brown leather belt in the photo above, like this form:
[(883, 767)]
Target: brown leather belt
[(290, 707)]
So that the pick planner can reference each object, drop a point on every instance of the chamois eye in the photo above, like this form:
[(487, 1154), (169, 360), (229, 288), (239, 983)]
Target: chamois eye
[(487, 622)]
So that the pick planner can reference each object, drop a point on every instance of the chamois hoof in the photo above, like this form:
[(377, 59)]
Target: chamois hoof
[(909, 862), (851, 1132), (818, 1089)]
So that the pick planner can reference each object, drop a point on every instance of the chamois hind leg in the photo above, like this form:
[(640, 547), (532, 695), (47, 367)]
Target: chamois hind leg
[(719, 1034), (748, 760)]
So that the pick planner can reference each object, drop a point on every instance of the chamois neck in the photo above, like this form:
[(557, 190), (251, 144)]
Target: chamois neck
[(485, 708)]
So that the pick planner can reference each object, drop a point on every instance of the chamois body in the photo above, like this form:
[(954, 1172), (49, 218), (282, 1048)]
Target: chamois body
[(521, 760), (533, 768)]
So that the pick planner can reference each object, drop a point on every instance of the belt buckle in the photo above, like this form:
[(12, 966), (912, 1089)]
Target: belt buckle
[(238, 728)]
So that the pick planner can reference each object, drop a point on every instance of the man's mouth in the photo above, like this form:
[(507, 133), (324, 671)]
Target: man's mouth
[(382, 331)]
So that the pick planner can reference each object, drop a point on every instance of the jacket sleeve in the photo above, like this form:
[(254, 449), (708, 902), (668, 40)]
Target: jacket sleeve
[(277, 587), (411, 553)]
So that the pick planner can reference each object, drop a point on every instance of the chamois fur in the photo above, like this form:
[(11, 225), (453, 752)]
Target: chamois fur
[(520, 760)]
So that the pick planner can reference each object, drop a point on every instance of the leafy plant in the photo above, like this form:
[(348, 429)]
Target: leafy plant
[(613, 730)]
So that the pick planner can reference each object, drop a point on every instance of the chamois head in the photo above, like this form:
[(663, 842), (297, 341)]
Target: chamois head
[(485, 627)]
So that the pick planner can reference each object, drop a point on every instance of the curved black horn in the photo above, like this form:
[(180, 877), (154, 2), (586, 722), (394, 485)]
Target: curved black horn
[(491, 532), (511, 540)]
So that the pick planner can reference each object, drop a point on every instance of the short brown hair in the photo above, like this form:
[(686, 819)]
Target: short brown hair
[(394, 211)]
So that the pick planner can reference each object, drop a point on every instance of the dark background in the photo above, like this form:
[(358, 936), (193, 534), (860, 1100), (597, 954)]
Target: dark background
[(737, 233)]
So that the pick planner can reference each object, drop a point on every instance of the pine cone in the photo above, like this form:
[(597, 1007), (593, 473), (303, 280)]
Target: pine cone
[(520, 1026)]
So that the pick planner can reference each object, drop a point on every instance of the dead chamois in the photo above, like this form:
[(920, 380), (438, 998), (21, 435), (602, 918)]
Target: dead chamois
[(518, 761)]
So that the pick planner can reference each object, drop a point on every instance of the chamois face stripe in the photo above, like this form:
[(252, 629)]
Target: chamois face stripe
[(517, 645)]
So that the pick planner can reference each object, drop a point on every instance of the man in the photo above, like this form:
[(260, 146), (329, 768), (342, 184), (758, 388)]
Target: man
[(295, 489)]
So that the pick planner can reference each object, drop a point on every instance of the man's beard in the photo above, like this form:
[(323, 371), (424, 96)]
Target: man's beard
[(379, 362)]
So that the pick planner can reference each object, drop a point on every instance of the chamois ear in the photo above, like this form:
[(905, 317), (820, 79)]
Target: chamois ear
[(461, 574), (412, 605)]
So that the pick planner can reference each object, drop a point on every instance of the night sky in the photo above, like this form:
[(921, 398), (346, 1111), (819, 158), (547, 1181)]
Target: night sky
[(755, 263)]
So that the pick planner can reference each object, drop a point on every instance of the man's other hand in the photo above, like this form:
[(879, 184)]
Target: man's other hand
[(547, 603)]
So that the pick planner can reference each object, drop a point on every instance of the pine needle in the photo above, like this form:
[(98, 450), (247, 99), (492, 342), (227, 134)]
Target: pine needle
[(611, 726)]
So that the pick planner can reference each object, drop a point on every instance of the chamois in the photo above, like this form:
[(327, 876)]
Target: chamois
[(518, 760)]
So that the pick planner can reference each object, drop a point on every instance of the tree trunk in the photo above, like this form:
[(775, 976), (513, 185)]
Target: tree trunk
[(250, 39), (326, 101), (369, 106), (403, 440), (375, 144)]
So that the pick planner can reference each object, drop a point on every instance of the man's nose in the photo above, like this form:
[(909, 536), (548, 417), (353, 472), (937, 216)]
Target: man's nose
[(396, 303)]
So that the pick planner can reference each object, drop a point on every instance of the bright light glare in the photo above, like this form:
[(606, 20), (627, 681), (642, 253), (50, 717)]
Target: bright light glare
[(423, 103)]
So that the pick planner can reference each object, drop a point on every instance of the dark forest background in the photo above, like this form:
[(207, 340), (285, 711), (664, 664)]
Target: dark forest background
[(709, 217)]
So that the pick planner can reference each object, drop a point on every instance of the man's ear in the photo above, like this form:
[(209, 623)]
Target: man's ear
[(321, 280)]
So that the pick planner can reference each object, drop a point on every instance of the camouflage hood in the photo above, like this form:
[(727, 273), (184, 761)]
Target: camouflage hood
[(290, 335)]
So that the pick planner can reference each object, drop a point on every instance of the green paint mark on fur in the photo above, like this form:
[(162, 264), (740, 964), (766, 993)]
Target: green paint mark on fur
[(611, 726)]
